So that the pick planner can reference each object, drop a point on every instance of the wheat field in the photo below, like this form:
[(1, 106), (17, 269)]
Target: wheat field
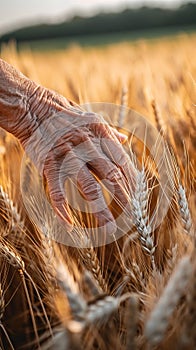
[(139, 291)]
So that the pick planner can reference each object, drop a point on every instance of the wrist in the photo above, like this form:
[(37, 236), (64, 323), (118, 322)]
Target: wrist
[(41, 105), (23, 103), (15, 110)]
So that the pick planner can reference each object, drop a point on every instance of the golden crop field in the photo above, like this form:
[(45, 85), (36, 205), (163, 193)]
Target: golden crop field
[(137, 292)]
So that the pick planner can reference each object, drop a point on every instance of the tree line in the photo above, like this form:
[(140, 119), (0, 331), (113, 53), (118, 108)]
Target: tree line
[(127, 20)]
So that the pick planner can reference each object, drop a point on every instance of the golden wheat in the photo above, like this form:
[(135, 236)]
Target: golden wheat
[(137, 292)]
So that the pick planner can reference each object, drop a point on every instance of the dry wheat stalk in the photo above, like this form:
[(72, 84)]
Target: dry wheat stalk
[(2, 303), (158, 119), (190, 334), (158, 321), (2, 310), (14, 259), (131, 322), (191, 118), (123, 106)]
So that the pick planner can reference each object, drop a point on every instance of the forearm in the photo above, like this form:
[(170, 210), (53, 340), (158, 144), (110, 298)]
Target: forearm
[(15, 90), (24, 104)]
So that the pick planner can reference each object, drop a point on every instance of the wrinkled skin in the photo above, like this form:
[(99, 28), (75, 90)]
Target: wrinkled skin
[(63, 141)]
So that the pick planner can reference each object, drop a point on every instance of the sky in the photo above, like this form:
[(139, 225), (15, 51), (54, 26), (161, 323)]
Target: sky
[(16, 13)]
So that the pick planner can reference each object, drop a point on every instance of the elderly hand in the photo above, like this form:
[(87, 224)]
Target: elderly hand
[(64, 142)]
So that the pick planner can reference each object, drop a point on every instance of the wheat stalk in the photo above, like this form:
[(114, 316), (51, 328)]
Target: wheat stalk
[(123, 106), (131, 322), (2, 310), (16, 261), (191, 118), (189, 336), (159, 121), (2, 303)]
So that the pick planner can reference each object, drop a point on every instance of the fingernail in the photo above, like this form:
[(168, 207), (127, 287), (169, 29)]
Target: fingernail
[(106, 222), (123, 137)]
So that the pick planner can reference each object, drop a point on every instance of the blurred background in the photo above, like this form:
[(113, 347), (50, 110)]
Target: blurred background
[(56, 24)]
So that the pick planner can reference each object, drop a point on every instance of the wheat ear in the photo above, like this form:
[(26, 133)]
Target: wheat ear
[(91, 284), (14, 216), (158, 321), (140, 212), (92, 263), (184, 210), (12, 256), (76, 302), (102, 309), (171, 255), (58, 341)]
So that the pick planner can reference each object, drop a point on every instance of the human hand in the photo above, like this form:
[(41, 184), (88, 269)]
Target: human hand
[(81, 146), (64, 142)]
